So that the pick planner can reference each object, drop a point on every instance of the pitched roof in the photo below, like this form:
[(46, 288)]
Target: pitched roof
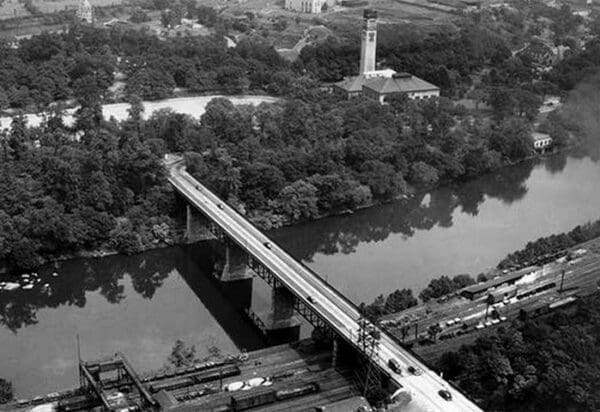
[(353, 83), (401, 83)]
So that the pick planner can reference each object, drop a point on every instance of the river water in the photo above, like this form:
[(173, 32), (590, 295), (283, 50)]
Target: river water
[(141, 304)]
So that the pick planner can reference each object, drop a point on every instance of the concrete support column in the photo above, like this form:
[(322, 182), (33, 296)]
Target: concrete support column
[(283, 304), (282, 325), (236, 264)]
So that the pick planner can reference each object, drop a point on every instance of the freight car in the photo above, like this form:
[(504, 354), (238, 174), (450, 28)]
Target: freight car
[(199, 378), (260, 397), (309, 388)]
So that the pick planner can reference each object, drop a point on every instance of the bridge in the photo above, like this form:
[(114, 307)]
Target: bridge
[(312, 297)]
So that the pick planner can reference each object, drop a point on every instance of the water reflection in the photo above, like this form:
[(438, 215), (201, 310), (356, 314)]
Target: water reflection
[(66, 283), (422, 212)]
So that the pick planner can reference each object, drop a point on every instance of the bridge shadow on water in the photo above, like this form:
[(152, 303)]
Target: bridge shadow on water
[(225, 301)]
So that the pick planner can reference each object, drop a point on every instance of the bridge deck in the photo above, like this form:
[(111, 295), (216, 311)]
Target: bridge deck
[(331, 306)]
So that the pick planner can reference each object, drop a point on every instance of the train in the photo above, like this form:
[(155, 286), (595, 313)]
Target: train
[(528, 313), (260, 397), (199, 378)]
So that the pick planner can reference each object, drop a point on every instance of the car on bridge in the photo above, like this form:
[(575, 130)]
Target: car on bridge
[(395, 366), (445, 394), (414, 371)]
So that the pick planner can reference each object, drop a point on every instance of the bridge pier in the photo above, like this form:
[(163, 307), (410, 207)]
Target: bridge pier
[(196, 227), (282, 326), (236, 264)]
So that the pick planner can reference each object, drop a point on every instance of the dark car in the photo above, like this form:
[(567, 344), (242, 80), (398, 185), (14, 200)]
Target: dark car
[(267, 245), (220, 205), (394, 366), (445, 394), (310, 299), (414, 371)]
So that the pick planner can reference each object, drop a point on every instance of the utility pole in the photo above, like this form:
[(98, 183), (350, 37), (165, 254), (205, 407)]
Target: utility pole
[(562, 279)]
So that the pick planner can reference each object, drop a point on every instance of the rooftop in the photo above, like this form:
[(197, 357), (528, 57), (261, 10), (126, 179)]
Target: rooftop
[(385, 81), (399, 83), (511, 277)]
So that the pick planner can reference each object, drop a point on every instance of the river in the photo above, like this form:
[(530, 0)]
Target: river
[(141, 304)]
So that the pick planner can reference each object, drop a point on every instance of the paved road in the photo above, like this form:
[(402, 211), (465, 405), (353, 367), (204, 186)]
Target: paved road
[(337, 311)]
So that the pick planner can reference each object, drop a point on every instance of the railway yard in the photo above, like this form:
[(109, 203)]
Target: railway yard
[(438, 326), (293, 377)]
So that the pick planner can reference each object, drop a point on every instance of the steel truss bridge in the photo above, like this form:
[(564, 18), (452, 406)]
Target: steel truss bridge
[(313, 298)]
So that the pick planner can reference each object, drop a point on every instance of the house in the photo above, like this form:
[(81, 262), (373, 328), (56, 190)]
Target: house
[(541, 141), (307, 6)]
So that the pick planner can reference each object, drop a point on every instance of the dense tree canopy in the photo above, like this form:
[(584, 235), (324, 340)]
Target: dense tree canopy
[(549, 364), (61, 195)]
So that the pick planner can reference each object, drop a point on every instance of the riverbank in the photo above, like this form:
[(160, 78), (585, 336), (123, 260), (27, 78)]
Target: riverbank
[(433, 328), (177, 236)]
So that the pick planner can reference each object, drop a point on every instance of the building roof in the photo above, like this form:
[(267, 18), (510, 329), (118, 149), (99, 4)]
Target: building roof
[(353, 83), (537, 136), (400, 83), (357, 403), (510, 277), (385, 82)]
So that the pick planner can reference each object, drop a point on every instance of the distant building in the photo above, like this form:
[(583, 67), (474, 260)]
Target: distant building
[(538, 53), (380, 84), (541, 141), (480, 289), (400, 83), (84, 12), (305, 6)]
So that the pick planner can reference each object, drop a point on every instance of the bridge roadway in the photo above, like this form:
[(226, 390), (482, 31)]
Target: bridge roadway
[(337, 311)]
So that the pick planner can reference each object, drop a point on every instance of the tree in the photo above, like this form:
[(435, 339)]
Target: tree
[(382, 179), (423, 173), (461, 281), (19, 136), (182, 354), (437, 288), (489, 300), (299, 200), (139, 16), (207, 15), (400, 300), (150, 83), (260, 183), (512, 139), (4, 102), (6, 391)]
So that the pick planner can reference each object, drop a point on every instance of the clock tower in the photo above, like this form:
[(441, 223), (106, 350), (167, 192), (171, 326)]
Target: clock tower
[(368, 42)]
